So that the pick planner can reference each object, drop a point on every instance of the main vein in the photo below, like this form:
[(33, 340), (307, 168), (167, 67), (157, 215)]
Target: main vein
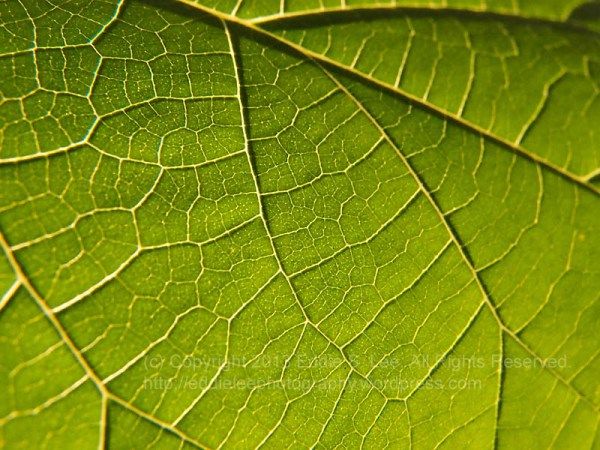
[(583, 181)]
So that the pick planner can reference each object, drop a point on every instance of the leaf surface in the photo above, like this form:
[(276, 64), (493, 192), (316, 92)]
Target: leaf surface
[(261, 10), (327, 230)]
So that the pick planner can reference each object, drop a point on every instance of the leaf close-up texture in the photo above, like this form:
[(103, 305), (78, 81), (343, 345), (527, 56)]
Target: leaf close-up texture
[(299, 224)]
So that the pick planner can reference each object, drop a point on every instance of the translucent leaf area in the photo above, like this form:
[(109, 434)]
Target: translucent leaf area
[(299, 224)]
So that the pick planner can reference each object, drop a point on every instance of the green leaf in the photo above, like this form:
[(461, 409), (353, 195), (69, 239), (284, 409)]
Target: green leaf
[(259, 224), (261, 10)]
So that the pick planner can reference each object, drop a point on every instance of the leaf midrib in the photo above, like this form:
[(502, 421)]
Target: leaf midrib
[(582, 181), (281, 18)]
